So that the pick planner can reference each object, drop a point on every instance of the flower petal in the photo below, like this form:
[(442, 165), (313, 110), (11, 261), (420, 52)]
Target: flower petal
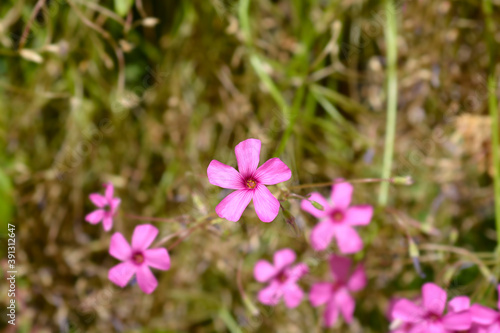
[(232, 206), (297, 272), (321, 235), (345, 303), (98, 200), (248, 155), (115, 202), (109, 191), (263, 271), (157, 258), (341, 195), (121, 273), (359, 215), (340, 268), (119, 247), (357, 281), (498, 290), (266, 205), (434, 298), (146, 280), (225, 176), (143, 236), (331, 313), (459, 303), (457, 321), (272, 172), (107, 222), (293, 295), (283, 258), (494, 328), (271, 294), (307, 206), (95, 217), (348, 239), (407, 311), (320, 293), (483, 315)]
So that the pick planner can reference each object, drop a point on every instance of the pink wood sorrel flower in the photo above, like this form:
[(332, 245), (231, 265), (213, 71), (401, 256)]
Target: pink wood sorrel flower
[(337, 294), (137, 258), (486, 320), (429, 317), (282, 278), (337, 219), (106, 208), (250, 182)]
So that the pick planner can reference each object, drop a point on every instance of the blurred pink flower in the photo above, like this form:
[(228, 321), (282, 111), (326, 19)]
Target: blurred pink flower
[(106, 208), (430, 317), (486, 320), (137, 258), (282, 279), (337, 219), (249, 182), (337, 294)]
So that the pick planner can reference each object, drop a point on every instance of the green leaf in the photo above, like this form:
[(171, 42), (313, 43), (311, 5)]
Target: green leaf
[(122, 7), (5, 201)]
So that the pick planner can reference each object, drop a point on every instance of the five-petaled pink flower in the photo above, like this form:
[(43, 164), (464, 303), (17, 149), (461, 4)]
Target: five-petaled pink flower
[(486, 320), (137, 258), (337, 219), (250, 182), (282, 278), (106, 208), (337, 294), (430, 317)]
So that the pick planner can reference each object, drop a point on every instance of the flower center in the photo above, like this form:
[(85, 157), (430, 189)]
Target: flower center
[(432, 317), (107, 208), (138, 258), (337, 216), (251, 184), (282, 277)]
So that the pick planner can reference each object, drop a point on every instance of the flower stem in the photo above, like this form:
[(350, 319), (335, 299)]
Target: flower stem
[(392, 98), (156, 219), (395, 180)]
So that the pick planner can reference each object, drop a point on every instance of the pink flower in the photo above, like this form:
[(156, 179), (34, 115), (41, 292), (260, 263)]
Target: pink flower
[(282, 279), (337, 219), (430, 317), (249, 182), (107, 206), (337, 294), (486, 320), (137, 258)]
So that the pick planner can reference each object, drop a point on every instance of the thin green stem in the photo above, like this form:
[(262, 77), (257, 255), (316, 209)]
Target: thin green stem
[(392, 98)]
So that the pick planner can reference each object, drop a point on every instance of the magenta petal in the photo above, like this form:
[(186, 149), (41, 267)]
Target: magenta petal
[(283, 258), (266, 205), (115, 202), (225, 176), (232, 206), (359, 215), (341, 195), (459, 303), (143, 236), (498, 290), (297, 272), (107, 222), (270, 295), (272, 172), (320, 293), (119, 248), (331, 313), (340, 268), (346, 304), (146, 280), (121, 273), (109, 192), (321, 235), (308, 207), (457, 321), (407, 311), (348, 239), (248, 155), (494, 328), (357, 281), (483, 315), (263, 271), (157, 258), (95, 217), (293, 295), (98, 200), (434, 298)]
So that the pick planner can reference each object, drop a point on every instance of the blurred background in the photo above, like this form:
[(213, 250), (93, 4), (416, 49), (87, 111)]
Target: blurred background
[(144, 94)]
